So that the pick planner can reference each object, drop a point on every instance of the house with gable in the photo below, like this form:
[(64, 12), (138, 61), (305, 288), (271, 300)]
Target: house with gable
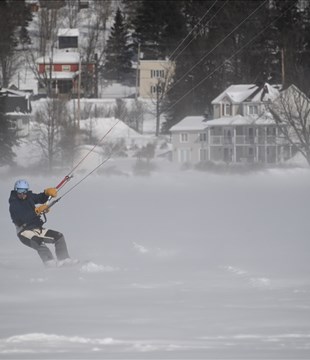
[(242, 130), (63, 73), (60, 72)]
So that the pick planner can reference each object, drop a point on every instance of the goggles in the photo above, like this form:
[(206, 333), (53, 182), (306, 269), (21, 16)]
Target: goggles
[(21, 191)]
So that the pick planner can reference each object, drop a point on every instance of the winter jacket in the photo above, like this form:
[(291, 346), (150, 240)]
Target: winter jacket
[(23, 210)]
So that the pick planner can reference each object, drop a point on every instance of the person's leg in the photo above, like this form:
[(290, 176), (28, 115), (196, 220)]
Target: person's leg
[(57, 238), (30, 239)]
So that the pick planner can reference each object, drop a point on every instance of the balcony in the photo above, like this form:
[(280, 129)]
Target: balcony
[(245, 140)]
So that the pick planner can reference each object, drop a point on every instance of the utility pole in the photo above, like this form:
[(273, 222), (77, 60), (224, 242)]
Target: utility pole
[(283, 66), (79, 91), (138, 73), (158, 99), (96, 75)]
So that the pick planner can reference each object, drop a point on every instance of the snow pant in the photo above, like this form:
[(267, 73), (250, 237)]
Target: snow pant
[(38, 238)]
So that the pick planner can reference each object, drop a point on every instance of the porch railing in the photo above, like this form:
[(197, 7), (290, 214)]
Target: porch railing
[(245, 140)]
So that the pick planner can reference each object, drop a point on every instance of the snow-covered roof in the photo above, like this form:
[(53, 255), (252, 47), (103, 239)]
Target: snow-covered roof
[(11, 92), (61, 57), (18, 113), (198, 123), (248, 93), (68, 32), (231, 120), (236, 93), (190, 123)]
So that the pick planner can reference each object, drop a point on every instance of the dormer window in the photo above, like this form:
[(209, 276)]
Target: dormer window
[(252, 109), (226, 109)]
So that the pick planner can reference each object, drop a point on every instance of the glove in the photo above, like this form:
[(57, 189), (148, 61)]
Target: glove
[(41, 209), (50, 192)]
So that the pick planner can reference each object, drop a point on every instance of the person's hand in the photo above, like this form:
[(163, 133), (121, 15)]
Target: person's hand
[(41, 209), (51, 192)]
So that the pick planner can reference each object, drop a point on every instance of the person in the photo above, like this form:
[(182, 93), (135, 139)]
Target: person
[(29, 224)]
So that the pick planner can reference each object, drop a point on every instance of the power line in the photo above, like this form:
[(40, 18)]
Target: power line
[(216, 46), (231, 57), (206, 13)]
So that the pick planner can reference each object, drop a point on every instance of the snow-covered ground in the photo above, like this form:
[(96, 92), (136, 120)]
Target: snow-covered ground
[(182, 265)]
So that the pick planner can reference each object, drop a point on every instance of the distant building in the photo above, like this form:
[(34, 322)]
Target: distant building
[(152, 75), (52, 4), (59, 73), (68, 39), (63, 73), (83, 4), (241, 131), (16, 105)]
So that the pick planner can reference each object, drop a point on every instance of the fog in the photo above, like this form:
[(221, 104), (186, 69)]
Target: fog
[(175, 265)]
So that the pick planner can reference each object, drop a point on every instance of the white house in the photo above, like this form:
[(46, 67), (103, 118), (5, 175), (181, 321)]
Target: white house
[(241, 131)]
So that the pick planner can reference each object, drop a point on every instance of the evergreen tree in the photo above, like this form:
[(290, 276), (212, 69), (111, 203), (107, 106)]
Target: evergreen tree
[(158, 27), (7, 140), (304, 69), (291, 31), (195, 82), (14, 18), (118, 54)]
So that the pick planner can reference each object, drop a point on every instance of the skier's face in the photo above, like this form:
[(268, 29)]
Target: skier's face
[(22, 194)]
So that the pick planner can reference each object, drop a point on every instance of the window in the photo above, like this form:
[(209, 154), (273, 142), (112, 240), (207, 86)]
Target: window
[(253, 110), (65, 67), (157, 73), (271, 131), (203, 137), (48, 68), (226, 109), (184, 137), (155, 89)]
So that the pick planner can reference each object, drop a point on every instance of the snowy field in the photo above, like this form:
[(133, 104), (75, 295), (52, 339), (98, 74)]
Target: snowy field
[(182, 265)]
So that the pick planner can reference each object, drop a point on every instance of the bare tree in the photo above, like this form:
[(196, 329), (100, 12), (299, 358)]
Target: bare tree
[(47, 23), (136, 115), (48, 120), (72, 9), (291, 112), (94, 46), (158, 96)]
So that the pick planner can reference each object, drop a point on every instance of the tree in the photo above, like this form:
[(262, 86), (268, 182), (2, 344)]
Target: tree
[(291, 112), (158, 26), (118, 54), (14, 19), (289, 36), (49, 120), (93, 48), (159, 99), (8, 139)]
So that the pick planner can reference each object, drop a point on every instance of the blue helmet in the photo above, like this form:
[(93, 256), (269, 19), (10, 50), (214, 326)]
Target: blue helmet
[(21, 186)]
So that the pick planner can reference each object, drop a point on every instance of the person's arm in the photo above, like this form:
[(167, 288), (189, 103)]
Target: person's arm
[(42, 197)]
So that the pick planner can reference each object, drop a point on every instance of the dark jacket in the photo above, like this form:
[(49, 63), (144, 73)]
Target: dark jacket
[(23, 211)]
